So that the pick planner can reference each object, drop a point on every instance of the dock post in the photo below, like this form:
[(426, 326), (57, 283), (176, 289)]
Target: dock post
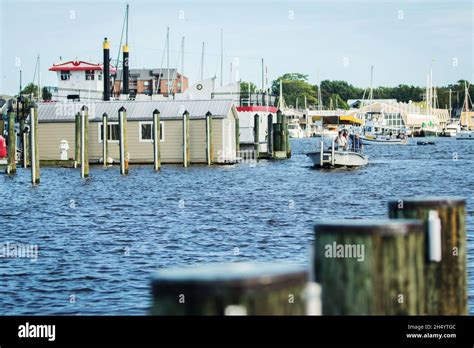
[(156, 140), (2, 125), (333, 150), (256, 134), (123, 143), (283, 133), (11, 168), (105, 138), (186, 153), (370, 267), (77, 143), (276, 138), (445, 261), (287, 139), (84, 142), (237, 137), (35, 165), (209, 147), (24, 147), (321, 154), (270, 135), (230, 289)]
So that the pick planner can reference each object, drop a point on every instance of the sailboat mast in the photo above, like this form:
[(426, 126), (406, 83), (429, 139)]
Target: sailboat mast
[(222, 57), (182, 64), (202, 62), (371, 93)]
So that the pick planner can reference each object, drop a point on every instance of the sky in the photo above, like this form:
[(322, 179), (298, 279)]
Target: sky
[(336, 40)]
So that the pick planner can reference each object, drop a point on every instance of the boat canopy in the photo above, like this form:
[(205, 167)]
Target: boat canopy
[(345, 119)]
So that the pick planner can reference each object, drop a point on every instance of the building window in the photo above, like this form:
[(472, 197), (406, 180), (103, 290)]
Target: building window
[(146, 83), (65, 75), (89, 75), (146, 132), (114, 132)]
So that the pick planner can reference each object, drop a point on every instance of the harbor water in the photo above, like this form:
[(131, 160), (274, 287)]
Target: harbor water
[(99, 240)]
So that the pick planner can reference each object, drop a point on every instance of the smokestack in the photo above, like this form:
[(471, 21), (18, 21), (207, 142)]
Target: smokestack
[(106, 70), (125, 71)]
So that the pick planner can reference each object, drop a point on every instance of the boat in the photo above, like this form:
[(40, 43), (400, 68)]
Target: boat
[(295, 131), (425, 143), (465, 135), (337, 158), (330, 131), (452, 129), (383, 140)]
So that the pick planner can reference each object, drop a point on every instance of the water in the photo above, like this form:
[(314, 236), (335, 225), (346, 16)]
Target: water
[(100, 239)]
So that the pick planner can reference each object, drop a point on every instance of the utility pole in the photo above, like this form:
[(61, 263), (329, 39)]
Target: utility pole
[(202, 62)]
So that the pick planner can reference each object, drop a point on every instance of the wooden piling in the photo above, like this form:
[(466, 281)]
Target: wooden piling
[(446, 279), (230, 289), (2, 125), (283, 133), (23, 141), (84, 142), (270, 135), (105, 139), (186, 151), (209, 147), (370, 267), (256, 134), (237, 136), (11, 168), (156, 140), (287, 139), (77, 144), (35, 165), (123, 143), (276, 137)]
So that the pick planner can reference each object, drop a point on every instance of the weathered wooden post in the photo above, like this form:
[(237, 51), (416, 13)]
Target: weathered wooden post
[(287, 139), (26, 148), (237, 136), (2, 125), (276, 138), (84, 142), (370, 267), (105, 138), (77, 143), (123, 143), (35, 165), (230, 289), (23, 137), (11, 168), (186, 152), (209, 147), (270, 135), (256, 134), (445, 260), (283, 133), (156, 140)]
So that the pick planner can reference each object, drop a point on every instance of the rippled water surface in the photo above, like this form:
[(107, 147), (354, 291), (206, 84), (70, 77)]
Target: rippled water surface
[(100, 239)]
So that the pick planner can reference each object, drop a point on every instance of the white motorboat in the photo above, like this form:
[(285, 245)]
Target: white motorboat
[(295, 131), (465, 135), (337, 158), (329, 132), (383, 140), (452, 129)]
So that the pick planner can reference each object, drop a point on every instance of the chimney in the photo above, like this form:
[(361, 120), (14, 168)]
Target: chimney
[(106, 70), (125, 71)]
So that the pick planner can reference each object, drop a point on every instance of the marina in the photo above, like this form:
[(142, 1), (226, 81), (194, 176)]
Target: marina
[(205, 161)]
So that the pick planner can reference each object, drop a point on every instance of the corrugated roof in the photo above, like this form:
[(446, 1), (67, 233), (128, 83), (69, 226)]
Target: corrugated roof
[(136, 110)]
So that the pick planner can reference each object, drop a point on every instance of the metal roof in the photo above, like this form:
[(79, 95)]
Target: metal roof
[(136, 110)]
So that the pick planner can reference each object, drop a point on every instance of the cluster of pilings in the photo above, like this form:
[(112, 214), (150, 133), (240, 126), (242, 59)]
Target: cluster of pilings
[(411, 264), (278, 138)]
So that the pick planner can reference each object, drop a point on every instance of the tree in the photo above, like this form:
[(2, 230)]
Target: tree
[(46, 94), (244, 87), (29, 89), (295, 86)]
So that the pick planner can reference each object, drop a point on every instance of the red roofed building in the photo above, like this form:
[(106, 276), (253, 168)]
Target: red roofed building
[(79, 79)]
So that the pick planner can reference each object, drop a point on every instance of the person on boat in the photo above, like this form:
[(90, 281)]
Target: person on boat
[(356, 143), (341, 141)]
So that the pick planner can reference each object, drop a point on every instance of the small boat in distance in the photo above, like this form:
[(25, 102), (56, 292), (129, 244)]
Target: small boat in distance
[(466, 133), (295, 131), (383, 140)]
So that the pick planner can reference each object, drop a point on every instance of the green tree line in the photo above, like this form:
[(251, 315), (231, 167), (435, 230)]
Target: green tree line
[(335, 93)]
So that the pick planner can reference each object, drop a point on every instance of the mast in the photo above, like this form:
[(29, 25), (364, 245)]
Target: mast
[(371, 93), (168, 59), (39, 78), (222, 56), (280, 99), (202, 61), (320, 97), (182, 64), (263, 77), (450, 105)]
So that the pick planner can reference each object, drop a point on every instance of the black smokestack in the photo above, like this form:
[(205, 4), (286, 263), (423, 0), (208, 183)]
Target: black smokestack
[(125, 71), (106, 70)]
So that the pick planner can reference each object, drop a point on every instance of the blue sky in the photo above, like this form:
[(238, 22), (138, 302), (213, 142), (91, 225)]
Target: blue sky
[(340, 39)]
